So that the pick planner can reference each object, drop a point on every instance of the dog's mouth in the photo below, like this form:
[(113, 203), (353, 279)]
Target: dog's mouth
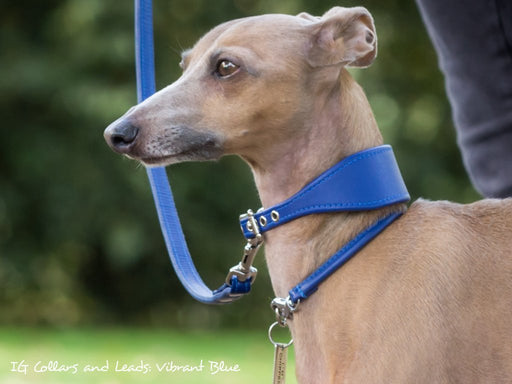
[(157, 161), (163, 161), (204, 149)]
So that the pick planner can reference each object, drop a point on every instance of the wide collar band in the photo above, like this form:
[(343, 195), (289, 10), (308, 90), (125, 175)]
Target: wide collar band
[(366, 180)]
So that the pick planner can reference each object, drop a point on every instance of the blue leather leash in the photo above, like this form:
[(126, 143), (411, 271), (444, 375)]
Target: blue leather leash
[(366, 180), (162, 194)]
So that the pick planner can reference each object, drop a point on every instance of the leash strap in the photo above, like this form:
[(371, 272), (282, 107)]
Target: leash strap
[(366, 180), (162, 194)]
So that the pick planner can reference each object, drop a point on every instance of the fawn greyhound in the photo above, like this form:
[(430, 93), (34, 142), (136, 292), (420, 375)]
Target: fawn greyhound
[(430, 299)]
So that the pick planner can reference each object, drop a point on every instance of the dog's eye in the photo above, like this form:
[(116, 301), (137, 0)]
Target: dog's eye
[(226, 68)]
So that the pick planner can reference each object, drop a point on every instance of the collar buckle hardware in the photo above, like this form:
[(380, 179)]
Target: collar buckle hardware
[(252, 224)]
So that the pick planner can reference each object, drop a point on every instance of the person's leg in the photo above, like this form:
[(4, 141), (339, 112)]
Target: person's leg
[(473, 39)]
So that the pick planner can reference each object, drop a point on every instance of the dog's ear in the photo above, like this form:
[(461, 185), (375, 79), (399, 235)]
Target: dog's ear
[(307, 16), (344, 36)]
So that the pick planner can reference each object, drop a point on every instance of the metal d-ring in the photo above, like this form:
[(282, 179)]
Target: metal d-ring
[(275, 342)]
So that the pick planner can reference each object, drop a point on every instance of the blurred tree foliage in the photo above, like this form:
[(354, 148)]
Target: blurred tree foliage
[(79, 237)]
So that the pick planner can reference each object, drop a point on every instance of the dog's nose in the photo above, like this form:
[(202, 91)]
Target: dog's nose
[(121, 135)]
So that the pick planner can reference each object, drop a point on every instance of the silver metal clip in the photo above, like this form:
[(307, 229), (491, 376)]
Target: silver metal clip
[(284, 309), (244, 270)]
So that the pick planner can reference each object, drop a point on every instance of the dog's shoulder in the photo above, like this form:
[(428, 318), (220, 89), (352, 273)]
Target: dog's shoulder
[(448, 237), (448, 222), (486, 210)]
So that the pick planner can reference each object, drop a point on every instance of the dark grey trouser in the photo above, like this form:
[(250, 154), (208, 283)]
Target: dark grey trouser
[(473, 39)]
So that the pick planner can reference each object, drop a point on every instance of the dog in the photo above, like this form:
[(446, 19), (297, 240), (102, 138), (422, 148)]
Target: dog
[(430, 299)]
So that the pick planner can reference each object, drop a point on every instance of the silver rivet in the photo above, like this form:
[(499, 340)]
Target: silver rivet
[(274, 215), (263, 221), (249, 227)]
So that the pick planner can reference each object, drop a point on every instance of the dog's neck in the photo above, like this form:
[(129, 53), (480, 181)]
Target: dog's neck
[(341, 123)]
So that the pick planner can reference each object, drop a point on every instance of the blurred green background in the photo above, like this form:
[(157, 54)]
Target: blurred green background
[(80, 244)]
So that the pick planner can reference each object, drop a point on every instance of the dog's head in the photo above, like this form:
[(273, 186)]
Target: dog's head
[(246, 85)]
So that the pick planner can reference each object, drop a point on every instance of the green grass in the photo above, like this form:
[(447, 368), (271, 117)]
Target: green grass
[(146, 350)]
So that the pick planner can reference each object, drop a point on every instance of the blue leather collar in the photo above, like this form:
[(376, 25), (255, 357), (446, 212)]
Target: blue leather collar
[(366, 180)]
